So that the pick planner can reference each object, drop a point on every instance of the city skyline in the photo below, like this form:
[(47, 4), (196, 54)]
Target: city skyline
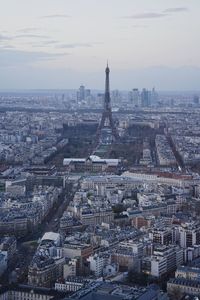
[(64, 44)]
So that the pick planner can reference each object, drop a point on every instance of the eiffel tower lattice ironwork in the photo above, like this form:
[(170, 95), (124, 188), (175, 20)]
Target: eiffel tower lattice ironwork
[(106, 119)]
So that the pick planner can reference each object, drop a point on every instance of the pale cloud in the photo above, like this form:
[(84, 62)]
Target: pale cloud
[(5, 37), (28, 29), (9, 57), (148, 15), (176, 9), (5, 46), (46, 43), (75, 45), (58, 16), (155, 15), (19, 36), (50, 42)]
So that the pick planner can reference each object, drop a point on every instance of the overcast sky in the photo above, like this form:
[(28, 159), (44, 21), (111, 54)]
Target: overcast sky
[(65, 43)]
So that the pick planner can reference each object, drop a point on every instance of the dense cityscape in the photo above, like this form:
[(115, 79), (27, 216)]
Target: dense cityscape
[(99, 169), (100, 202)]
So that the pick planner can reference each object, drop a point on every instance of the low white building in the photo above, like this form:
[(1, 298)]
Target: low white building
[(51, 237), (158, 266), (94, 159), (71, 284), (93, 164), (97, 263)]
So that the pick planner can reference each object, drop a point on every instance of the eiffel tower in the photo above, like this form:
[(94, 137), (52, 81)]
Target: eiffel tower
[(106, 119)]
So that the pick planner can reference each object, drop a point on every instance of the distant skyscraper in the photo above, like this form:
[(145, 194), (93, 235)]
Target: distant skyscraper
[(154, 97), (81, 93), (136, 97), (146, 98)]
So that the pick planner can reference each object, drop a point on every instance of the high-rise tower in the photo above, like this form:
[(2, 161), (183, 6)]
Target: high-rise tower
[(106, 119)]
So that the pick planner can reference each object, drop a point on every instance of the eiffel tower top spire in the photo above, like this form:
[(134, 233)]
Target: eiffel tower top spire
[(107, 65)]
